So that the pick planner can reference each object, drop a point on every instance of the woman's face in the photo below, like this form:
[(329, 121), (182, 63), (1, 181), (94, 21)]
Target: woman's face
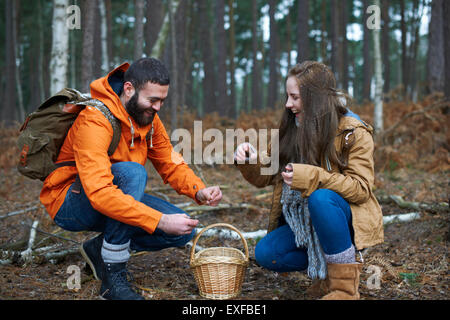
[(293, 103)]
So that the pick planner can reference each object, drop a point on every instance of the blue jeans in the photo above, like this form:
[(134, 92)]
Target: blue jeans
[(332, 220), (77, 213)]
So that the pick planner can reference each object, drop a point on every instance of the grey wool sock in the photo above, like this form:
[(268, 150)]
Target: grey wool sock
[(346, 256), (115, 253)]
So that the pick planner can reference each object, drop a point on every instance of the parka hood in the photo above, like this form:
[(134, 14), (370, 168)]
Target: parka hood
[(108, 90)]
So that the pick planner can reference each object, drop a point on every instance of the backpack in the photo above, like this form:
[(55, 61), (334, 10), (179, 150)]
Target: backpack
[(44, 130)]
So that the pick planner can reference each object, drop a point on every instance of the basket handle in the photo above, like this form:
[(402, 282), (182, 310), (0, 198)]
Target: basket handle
[(226, 225)]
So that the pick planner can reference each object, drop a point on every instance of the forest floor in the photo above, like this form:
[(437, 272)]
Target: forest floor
[(411, 264)]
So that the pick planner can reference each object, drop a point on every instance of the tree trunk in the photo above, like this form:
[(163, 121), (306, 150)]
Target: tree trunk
[(87, 70), (323, 33), (139, 7), (273, 58), (109, 37), (344, 46), (155, 19), (209, 97), (233, 102), (174, 70), (256, 71), (367, 70), (446, 13), (16, 27), (60, 47), (436, 58), (404, 47), (104, 36), (334, 34), (221, 49), (302, 31), (9, 114), (378, 116), (385, 36)]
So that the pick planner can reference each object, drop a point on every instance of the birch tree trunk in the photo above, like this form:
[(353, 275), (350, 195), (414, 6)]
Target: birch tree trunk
[(446, 26), (104, 36), (60, 47), (378, 116)]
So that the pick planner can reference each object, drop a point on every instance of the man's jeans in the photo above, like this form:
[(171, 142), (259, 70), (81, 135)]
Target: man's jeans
[(77, 213), (332, 220)]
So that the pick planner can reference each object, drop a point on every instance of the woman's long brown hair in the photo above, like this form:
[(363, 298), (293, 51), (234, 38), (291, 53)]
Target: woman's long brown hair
[(313, 140)]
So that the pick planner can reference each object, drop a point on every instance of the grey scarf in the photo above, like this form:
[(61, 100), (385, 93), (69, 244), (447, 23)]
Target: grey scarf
[(296, 214)]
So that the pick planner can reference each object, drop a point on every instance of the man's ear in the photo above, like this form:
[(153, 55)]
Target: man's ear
[(128, 89)]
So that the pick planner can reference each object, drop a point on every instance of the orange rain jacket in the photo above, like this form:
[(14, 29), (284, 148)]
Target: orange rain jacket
[(87, 143)]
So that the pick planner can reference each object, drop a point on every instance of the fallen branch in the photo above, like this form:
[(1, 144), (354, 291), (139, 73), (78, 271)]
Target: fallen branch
[(14, 213), (27, 255), (401, 203), (405, 217)]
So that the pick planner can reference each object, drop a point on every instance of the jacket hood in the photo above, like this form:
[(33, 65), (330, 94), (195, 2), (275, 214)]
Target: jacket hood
[(108, 90), (351, 120)]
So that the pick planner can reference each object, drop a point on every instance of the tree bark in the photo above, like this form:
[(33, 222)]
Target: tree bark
[(378, 110), (155, 19), (367, 70), (344, 45), (256, 71), (9, 114), (87, 70), (174, 70), (385, 36), (404, 47), (302, 31), (139, 9), (60, 47), (446, 13), (104, 35), (233, 104), (273, 58), (436, 57), (209, 97), (221, 49)]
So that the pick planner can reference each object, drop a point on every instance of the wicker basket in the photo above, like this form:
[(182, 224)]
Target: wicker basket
[(219, 271)]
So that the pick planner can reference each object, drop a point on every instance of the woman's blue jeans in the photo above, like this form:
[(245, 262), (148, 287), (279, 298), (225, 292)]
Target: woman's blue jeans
[(332, 220), (77, 213)]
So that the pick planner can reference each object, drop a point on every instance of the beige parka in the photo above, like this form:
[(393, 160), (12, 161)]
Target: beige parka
[(354, 183)]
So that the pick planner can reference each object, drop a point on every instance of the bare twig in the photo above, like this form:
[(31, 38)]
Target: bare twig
[(27, 255), (14, 213)]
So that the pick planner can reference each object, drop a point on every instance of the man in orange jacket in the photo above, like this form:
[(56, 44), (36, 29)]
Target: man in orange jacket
[(110, 197)]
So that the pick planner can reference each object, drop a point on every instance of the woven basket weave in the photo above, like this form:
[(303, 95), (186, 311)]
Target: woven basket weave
[(219, 271)]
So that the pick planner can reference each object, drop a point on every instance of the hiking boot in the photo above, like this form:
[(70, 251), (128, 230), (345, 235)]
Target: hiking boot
[(115, 285), (91, 251)]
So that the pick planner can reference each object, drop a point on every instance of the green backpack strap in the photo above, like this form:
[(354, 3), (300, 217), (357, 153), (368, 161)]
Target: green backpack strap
[(117, 131), (115, 123)]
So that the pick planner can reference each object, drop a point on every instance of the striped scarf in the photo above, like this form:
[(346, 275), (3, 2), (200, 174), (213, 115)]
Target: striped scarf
[(296, 213)]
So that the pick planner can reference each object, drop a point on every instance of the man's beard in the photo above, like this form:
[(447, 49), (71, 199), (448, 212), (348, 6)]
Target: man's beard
[(137, 111)]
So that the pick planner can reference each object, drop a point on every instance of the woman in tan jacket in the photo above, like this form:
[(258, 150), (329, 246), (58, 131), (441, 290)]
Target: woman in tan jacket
[(323, 207)]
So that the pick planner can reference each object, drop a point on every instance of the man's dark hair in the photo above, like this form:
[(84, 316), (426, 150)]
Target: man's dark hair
[(147, 70)]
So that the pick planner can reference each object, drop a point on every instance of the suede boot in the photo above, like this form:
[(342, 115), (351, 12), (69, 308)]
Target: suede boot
[(343, 281), (318, 288)]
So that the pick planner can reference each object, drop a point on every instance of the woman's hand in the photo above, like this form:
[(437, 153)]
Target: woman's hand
[(211, 196), (244, 153), (288, 174)]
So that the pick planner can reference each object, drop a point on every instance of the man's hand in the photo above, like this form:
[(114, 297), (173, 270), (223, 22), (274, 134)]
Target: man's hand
[(288, 174), (177, 224), (211, 196)]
